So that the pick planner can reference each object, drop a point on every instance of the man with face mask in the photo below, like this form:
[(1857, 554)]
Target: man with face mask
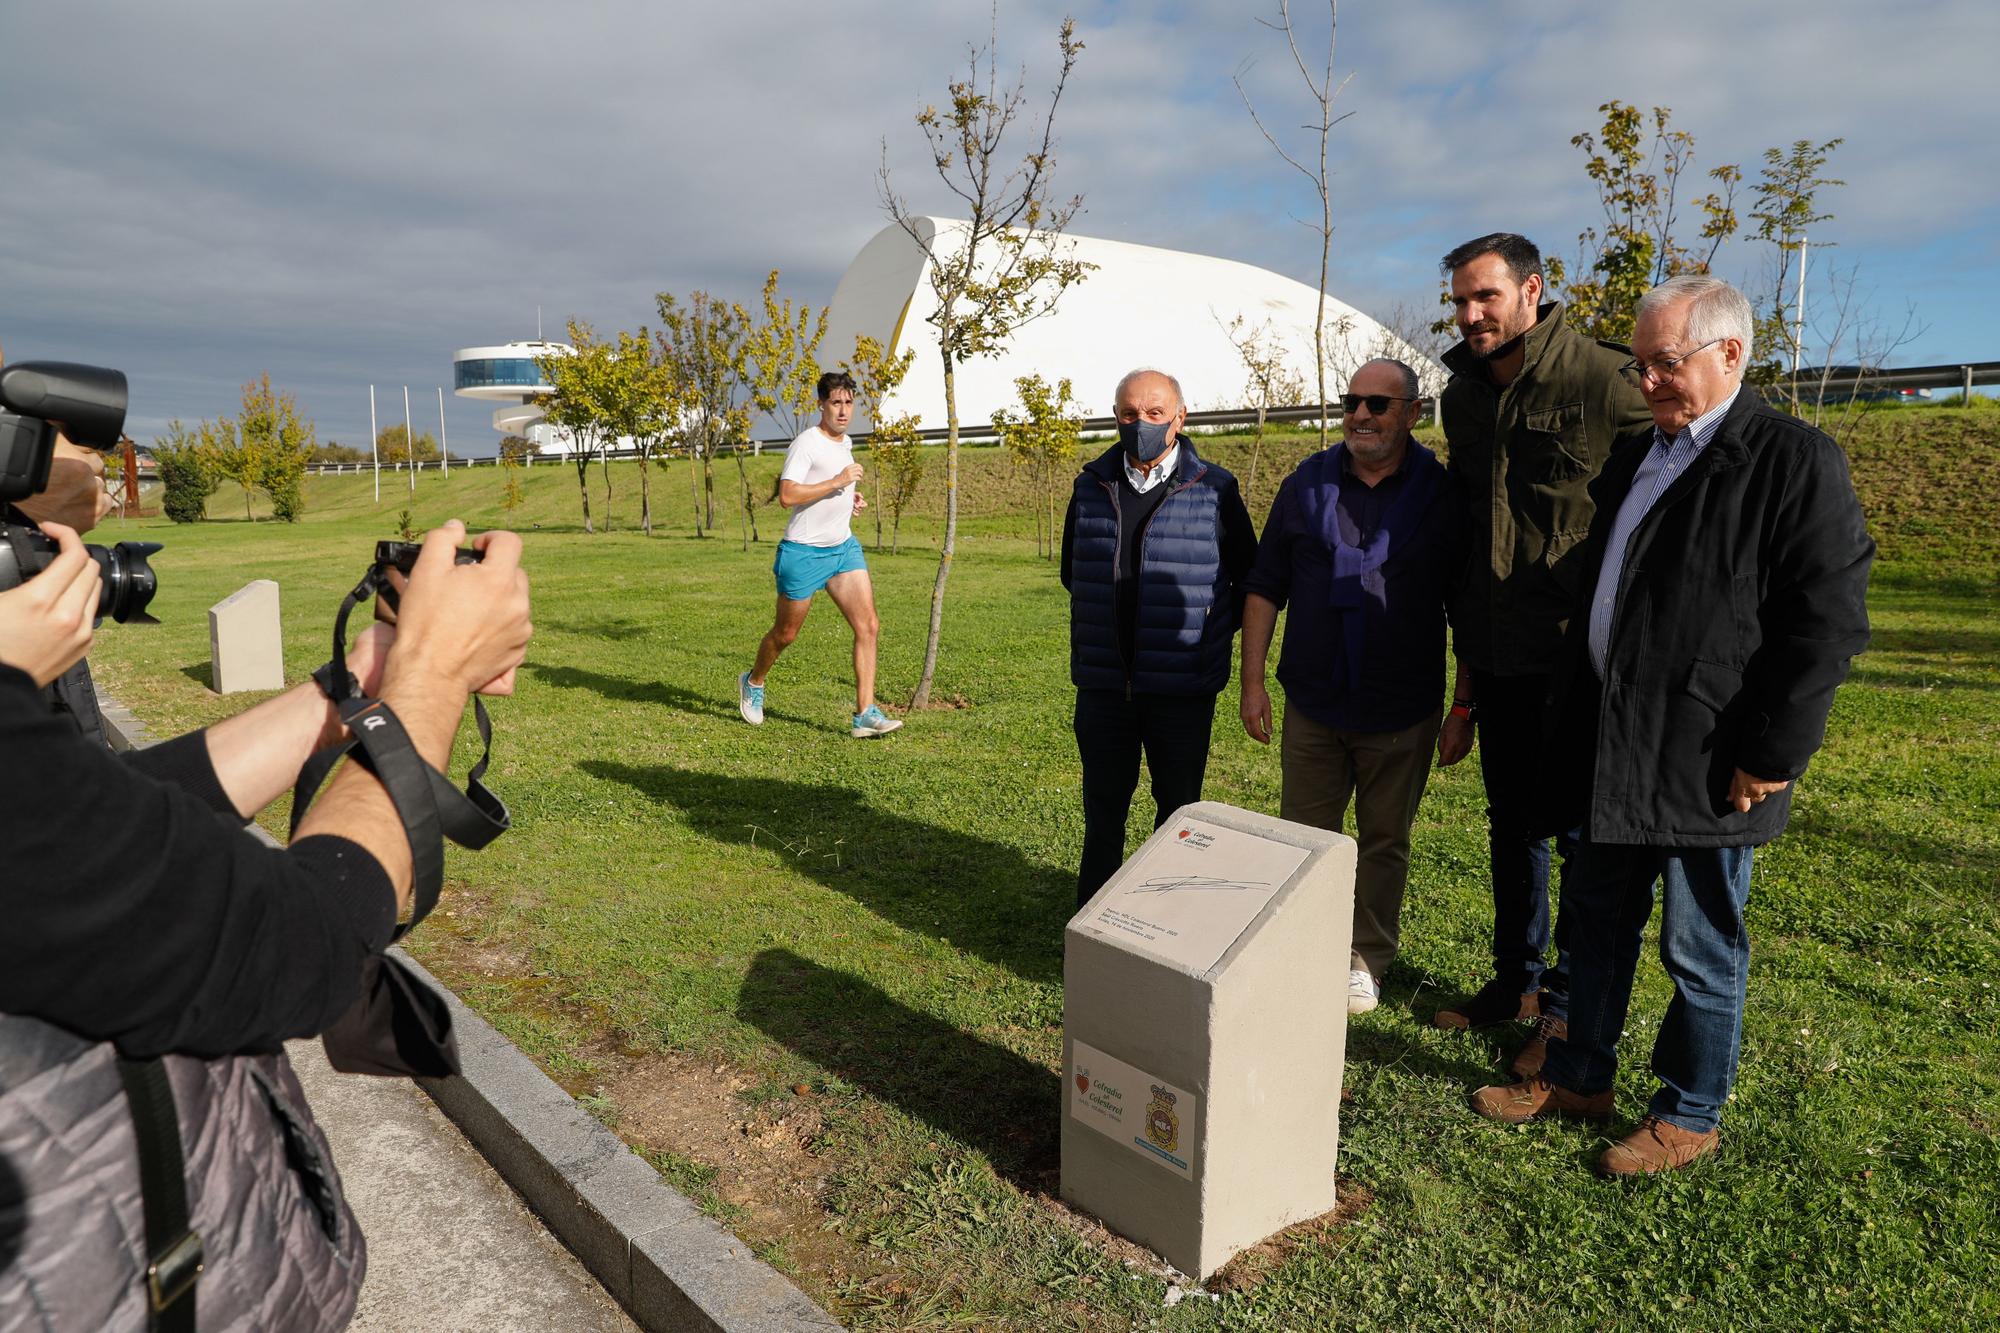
[(1529, 417), (1155, 546)]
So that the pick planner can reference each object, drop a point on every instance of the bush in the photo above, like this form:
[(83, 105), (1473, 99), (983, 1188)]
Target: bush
[(187, 474)]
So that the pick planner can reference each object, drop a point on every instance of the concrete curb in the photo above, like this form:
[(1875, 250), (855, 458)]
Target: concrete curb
[(671, 1267), (667, 1263)]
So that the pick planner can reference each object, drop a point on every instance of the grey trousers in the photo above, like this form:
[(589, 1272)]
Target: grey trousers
[(1383, 773)]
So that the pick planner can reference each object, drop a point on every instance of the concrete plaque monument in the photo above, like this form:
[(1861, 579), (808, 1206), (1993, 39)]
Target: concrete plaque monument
[(1204, 1034), (246, 651)]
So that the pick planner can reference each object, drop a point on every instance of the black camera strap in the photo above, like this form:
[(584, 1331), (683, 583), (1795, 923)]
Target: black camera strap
[(431, 808)]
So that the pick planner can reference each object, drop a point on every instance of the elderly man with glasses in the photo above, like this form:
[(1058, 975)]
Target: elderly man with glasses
[(1727, 576), (1363, 543)]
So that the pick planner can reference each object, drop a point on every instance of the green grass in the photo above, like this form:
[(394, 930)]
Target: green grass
[(881, 924)]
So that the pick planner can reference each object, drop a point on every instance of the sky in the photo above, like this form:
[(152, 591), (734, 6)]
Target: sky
[(342, 195)]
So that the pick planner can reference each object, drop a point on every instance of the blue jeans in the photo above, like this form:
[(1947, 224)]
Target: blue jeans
[(1608, 898), (1510, 765)]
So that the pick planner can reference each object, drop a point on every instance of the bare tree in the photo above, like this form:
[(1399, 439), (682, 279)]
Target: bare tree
[(1270, 380), (1324, 92), (1004, 267)]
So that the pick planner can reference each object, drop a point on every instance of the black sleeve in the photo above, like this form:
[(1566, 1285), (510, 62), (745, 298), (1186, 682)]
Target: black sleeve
[(136, 915), (1069, 538), (183, 762), (1239, 539), (1270, 575)]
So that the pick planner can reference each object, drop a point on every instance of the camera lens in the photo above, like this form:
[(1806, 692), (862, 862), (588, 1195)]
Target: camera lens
[(129, 582)]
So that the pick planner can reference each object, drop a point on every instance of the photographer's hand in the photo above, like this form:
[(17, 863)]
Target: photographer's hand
[(460, 628), (75, 494), (46, 624)]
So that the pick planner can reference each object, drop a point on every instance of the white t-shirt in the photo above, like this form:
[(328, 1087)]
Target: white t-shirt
[(817, 456)]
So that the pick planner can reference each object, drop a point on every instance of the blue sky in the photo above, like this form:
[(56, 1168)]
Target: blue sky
[(346, 194)]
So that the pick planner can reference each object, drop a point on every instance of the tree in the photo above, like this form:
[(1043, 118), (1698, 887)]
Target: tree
[(704, 343), (1043, 438), (510, 495), (1787, 205), (642, 401), (392, 445), (187, 473), (332, 452), (575, 403), (781, 357), (1271, 380), (1324, 92), (270, 430), (1004, 267), (516, 448), (892, 441), (1638, 186)]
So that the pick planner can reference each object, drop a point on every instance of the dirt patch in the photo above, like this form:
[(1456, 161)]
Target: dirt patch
[(1248, 1269)]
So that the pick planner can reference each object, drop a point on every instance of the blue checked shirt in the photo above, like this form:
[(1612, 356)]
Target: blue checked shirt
[(1665, 461)]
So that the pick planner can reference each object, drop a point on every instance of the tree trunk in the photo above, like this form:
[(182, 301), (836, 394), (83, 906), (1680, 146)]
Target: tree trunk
[(1256, 451), (645, 492), (708, 480), (896, 533), (922, 699), (604, 461), (694, 485), (583, 484)]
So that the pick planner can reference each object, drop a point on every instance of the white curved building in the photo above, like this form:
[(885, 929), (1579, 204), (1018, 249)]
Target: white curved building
[(1140, 306), (507, 374)]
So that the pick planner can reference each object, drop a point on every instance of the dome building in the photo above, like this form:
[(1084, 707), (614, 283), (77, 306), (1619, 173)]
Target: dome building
[(1139, 306)]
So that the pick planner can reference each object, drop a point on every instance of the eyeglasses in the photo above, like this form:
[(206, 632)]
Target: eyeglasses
[(1378, 403), (1664, 369)]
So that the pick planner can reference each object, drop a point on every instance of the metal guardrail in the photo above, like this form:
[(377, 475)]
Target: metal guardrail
[(1843, 380)]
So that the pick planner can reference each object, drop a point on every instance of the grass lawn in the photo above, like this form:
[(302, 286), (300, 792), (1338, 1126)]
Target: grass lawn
[(818, 981)]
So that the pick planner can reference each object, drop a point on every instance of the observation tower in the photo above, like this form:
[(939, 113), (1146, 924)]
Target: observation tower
[(508, 375)]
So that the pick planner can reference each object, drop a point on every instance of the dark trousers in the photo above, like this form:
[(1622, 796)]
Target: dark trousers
[(1111, 730), (1383, 774), (1703, 948), (1510, 763)]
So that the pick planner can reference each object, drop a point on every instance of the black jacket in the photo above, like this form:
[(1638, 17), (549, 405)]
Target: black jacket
[(1742, 599)]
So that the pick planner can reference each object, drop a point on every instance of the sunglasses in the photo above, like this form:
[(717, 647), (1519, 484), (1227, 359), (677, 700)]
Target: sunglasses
[(1378, 403)]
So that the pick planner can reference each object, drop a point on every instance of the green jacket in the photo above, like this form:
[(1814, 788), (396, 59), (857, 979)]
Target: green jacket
[(1525, 454)]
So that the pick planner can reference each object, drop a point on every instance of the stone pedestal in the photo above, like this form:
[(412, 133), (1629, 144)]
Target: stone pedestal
[(246, 648), (1204, 1032)]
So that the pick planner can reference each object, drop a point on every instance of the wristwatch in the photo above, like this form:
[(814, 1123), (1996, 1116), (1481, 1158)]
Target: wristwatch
[(1465, 708)]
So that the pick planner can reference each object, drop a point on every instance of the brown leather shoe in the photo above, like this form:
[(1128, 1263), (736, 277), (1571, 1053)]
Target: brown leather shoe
[(1654, 1145), (1534, 1098), (1487, 1007), (1529, 1060)]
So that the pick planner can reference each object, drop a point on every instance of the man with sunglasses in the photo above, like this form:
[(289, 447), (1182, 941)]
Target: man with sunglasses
[(1363, 543), (1725, 583), (1529, 417)]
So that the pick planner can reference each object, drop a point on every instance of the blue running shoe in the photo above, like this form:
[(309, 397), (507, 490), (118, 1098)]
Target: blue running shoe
[(750, 700), (873, 723)]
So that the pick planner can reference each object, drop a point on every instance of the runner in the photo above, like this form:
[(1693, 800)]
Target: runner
[(818, 485)]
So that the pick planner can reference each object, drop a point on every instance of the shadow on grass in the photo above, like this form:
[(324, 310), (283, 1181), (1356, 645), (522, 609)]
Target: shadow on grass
[(983, 897), (984, 1095), (626, 690), (200, 673)]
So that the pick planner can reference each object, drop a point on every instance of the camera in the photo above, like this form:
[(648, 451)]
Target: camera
[(87, 404)]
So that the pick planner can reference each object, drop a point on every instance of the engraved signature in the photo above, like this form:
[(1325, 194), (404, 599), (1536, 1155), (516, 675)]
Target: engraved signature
[(1180, 883)]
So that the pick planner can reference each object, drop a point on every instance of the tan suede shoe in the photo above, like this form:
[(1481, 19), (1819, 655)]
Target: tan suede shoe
[(1654, 1145), (1529, 1060), (1537, 1097)]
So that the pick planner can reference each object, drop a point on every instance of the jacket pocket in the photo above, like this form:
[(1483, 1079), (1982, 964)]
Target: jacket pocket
[(1713, 684), (1556, 450)]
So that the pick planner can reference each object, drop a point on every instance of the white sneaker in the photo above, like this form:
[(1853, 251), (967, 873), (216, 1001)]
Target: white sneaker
[(750, 700), (1362, 992)]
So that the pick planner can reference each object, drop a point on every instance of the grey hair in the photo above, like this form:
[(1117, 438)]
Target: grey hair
[(1411, 387), (1130, 375), (1714, 309)]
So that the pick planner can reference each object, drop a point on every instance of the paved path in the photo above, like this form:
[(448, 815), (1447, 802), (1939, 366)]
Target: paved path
[(450, 1246)]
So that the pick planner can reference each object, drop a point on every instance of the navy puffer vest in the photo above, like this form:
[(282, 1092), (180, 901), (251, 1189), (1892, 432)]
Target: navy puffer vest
[(1187, 606)]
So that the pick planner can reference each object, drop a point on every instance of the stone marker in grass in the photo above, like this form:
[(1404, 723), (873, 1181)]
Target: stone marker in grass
[(246, 651), (1204, 1030)]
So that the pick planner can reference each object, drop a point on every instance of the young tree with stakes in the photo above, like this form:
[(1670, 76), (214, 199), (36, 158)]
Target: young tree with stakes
[(1006, 266), (893, 443)]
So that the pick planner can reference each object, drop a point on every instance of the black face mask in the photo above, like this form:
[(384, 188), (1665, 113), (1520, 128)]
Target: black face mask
[(1145, 440)]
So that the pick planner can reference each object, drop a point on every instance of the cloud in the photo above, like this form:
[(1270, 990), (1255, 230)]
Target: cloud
[(347, 194)]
